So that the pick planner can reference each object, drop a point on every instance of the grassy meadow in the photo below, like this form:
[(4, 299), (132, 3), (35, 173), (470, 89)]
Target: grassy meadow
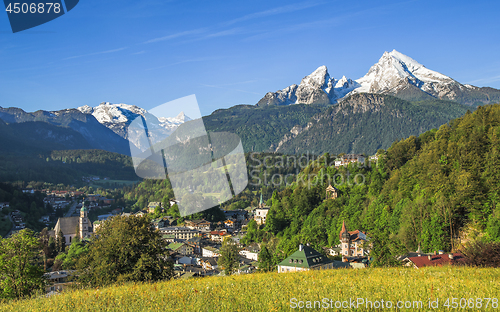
[(275, 292)]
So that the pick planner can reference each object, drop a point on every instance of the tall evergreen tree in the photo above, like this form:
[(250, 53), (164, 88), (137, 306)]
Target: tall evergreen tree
[(61, 242), (229, 256)]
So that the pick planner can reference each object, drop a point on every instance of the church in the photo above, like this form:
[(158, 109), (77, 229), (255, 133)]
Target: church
[(73, 226)]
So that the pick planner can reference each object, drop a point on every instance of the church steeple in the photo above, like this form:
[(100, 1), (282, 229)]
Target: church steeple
[(84, 222), (344, 233), (83, 211), (261, 203), (345, 239)]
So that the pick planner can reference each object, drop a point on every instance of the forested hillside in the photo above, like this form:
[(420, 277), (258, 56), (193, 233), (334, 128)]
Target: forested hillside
[(65, 166), (364, 123), (260, 128), (361, 123), (433, 190)]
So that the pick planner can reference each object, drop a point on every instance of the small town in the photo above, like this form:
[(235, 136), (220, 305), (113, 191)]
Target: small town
[(194, 245), (249, 156)]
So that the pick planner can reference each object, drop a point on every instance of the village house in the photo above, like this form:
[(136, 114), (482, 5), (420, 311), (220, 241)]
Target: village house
[(229, 224), (201, 225), (218, 236), (174, 202), (181, 248), (169, 238), (58, 281), (332, 251), (208, 264), (108, 201), (305, 259), (95, 197), (236, 215), (435, 259), (186, 260), (260, 215), (152, 206), (161, 222), (210, 252), (373, 158), (183, 233), (196, 243), (352, 243), (251, 252), (349, 158)]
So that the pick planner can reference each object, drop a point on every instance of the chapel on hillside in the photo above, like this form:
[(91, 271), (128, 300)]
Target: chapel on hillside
[(331, 192)]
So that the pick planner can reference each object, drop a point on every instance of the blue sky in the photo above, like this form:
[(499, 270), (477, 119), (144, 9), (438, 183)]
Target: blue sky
[(149, 52)]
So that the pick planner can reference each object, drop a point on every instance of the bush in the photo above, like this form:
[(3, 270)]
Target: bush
[(482, 254)]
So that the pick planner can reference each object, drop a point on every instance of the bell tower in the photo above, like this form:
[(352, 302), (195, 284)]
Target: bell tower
[(345, 239), (84, 222)]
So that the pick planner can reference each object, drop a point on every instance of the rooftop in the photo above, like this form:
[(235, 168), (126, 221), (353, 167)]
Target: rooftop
[(305, 257), (437, 260)]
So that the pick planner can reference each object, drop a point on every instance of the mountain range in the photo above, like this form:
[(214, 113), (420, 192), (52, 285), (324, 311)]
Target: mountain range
[(69, 128), (101, 127), (398, 97), (394, 74), (118, 117)]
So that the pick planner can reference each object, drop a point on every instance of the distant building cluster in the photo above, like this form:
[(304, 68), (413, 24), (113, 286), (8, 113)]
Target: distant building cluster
[(348, 159)]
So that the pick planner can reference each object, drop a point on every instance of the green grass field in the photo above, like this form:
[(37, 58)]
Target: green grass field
[(414, 288)]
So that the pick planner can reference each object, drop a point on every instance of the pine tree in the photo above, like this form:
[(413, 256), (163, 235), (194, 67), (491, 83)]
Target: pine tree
[(265, 260), (52, 247), (61, 242), (229, 256)]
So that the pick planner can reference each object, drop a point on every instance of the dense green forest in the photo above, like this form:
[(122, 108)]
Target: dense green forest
[(437, 190), (66, 166), (259, 128), (364, 123), (361, 123)]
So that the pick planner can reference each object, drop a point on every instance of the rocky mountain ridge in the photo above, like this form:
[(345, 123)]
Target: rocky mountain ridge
[(394, 74)]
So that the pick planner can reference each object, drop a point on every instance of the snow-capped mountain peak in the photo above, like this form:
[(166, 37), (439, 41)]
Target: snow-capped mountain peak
[(317, 78), (316, 88), (118, 117), (394, 71)]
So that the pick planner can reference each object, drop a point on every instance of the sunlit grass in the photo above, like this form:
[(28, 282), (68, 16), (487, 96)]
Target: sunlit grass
[(273, 291)]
